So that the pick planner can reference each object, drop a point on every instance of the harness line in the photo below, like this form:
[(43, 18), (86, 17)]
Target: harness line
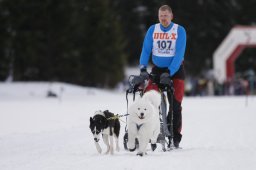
[(117, 117)]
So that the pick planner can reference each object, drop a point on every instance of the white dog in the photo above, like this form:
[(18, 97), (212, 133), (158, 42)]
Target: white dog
[(143, 121)]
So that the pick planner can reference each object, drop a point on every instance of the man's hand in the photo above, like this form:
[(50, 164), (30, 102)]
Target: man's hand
[(165, 79), (137, 80), (144, 74)]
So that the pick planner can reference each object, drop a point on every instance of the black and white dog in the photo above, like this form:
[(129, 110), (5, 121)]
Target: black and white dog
[(108, 125)]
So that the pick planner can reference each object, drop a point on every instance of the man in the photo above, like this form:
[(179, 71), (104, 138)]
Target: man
[(166, 41)]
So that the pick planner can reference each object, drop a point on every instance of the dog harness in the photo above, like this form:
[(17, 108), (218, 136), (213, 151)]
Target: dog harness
[(138, 126)]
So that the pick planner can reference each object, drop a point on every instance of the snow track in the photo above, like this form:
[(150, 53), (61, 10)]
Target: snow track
[(39, 133)]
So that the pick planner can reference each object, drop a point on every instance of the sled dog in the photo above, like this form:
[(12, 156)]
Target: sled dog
[(106, 124), (143, 121)]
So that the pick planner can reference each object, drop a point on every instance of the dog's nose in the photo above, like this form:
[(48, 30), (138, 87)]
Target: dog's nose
[(141, 114), (96, 139)]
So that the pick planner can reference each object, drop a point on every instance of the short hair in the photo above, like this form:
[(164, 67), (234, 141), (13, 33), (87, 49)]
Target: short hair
[(165, 7)]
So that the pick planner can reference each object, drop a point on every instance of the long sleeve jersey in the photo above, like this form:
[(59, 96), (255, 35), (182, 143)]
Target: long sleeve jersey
[(166, 45)]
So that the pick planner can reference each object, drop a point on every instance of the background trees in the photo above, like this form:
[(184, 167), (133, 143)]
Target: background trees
[(90, 42)]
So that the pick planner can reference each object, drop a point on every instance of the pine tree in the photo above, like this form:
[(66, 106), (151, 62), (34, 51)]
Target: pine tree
[(73, 41)]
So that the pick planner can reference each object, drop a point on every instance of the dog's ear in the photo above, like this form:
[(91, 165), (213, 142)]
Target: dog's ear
[(91, 120)]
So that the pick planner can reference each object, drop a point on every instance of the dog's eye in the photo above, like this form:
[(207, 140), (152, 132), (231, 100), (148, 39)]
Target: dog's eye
[(138, 108), (145, 109)]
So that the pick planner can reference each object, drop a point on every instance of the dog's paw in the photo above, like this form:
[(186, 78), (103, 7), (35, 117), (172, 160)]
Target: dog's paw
[(111, 150), (98, 148), (140, 154), (99, 151), (108, 150), (153, 147)]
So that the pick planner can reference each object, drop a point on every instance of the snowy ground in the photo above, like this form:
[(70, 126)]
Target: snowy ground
[(39, 133)]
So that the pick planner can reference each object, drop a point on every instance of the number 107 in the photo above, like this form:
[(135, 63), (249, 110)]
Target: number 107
[(164, 44)]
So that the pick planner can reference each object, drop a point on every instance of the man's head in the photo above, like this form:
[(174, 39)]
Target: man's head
[(165, 15)]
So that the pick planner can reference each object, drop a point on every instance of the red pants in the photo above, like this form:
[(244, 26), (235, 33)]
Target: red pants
[(178, 89), (177, 109)]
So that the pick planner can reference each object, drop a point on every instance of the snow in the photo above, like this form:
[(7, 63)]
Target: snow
[(46, 133)]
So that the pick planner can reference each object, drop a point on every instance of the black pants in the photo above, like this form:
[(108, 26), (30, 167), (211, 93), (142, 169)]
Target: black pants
[(174, 98)]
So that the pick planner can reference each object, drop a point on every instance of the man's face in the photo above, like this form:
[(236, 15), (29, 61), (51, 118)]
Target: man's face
[(165, 17)]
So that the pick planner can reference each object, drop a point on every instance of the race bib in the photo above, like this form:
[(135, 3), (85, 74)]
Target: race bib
[(164, 43)]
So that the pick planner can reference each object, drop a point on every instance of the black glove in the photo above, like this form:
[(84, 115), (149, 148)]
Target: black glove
[(137, 80), (144, 74), (165, 79)]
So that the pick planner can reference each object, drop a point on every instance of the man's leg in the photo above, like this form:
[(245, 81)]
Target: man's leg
[(178, 85), (177, 123)]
